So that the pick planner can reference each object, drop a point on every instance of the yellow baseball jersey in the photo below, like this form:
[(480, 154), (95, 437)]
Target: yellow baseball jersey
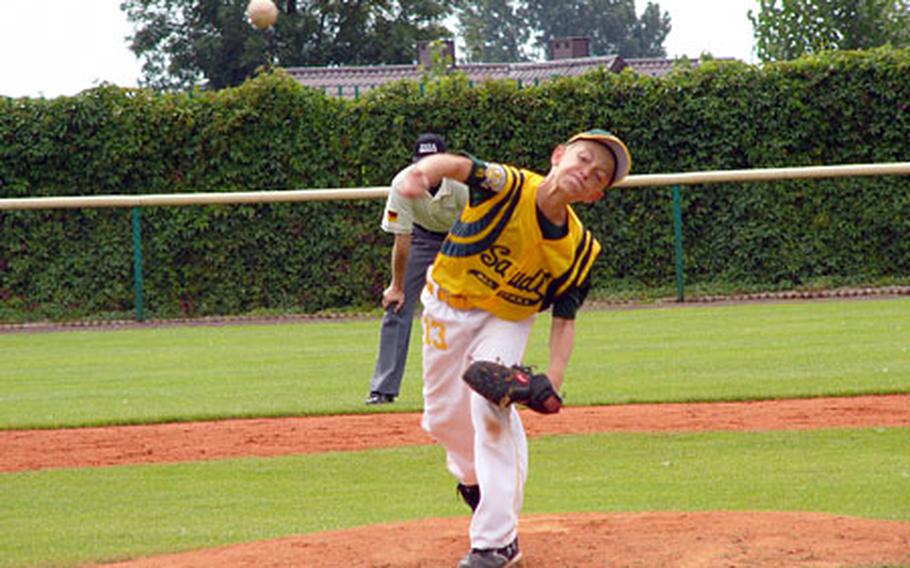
[(498, 255)]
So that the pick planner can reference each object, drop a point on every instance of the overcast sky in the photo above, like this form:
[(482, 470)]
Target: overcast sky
[(77, 44)]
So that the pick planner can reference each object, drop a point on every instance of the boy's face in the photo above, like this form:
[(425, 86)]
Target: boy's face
[(582, 170)]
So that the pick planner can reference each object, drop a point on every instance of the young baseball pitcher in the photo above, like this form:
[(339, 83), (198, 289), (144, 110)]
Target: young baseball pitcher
[(517, 249)]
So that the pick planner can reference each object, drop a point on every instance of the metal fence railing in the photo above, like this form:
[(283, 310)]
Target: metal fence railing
[(136, 202)]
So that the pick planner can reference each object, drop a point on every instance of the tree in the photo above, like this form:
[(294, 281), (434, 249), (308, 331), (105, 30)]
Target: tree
[(651, 30), (790, 28), (492, 31), (187, 42), (611, 25)]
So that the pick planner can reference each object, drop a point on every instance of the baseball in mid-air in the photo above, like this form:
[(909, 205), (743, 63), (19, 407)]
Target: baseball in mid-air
[(262, 13)]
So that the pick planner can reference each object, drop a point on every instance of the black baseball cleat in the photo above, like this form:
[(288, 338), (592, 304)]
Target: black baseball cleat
[(492, 557), (380, 398), (470, 494)]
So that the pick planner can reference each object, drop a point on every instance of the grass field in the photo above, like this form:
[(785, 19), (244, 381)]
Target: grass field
[(68, 517), (73, 516), (742, 352)]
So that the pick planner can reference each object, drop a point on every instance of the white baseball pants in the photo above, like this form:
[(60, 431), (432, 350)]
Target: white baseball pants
[(485, 445)]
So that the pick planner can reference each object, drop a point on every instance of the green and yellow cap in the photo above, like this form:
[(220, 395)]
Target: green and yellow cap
[(614, 145)]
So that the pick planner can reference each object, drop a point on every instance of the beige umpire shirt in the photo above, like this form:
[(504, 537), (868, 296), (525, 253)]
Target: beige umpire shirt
[(435, 213)]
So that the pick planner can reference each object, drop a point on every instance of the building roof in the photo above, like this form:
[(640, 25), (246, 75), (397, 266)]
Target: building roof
[(540, 71), (652, 67), (352, 81)]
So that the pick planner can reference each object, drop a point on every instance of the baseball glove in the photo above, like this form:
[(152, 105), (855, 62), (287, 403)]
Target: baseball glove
[(503, 385)]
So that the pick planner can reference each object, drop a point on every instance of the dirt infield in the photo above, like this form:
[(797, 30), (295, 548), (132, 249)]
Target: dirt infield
[(22, 450), (753, 539)]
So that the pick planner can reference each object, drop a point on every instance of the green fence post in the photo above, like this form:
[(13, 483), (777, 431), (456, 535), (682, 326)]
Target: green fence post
[(137, 267), (678, 244)]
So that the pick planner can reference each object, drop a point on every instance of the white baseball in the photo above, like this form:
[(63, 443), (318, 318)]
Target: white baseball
[(262, 13)]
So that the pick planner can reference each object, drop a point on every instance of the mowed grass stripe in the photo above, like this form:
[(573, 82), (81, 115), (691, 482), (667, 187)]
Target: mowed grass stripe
[(746, 352), (68, 517), (740, 352)]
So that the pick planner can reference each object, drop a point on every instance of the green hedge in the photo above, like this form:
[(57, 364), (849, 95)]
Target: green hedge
[(272, 133)]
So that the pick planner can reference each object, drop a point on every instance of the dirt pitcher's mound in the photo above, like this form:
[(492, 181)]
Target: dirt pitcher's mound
[(646, 540)]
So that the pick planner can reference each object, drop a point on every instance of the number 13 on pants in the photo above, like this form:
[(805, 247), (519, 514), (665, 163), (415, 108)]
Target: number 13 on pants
[(434, 333)]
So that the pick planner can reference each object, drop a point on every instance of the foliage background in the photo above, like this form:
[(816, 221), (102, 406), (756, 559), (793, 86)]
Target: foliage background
[(790, 29), (272, 133)]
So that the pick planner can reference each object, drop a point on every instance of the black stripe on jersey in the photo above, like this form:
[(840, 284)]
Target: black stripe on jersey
[(586, 259), (582, 256), (451, 248), (465, 230)]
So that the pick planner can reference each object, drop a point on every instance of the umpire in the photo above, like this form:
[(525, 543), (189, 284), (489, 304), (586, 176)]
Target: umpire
[(419, 225)]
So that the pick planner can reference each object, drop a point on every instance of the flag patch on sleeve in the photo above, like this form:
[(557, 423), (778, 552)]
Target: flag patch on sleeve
[(392, 215)]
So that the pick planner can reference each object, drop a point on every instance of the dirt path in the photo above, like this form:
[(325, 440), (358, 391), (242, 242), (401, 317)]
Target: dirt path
[(671, 539), (94, 447)]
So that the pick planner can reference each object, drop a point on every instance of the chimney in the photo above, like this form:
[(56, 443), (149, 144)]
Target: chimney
[(425, 52), (569, 47)]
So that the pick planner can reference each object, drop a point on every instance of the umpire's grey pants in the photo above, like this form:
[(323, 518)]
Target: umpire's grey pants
[(395, 331)]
